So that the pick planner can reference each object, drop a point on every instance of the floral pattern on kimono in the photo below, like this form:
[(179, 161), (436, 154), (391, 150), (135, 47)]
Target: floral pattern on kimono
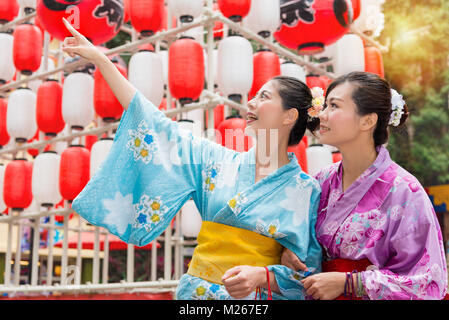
[(385, 216), (136, 194)]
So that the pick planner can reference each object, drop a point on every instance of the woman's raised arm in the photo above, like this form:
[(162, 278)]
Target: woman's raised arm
[(78, 45)]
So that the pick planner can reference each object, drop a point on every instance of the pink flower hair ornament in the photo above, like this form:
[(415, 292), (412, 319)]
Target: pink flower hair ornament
[(317, 102)]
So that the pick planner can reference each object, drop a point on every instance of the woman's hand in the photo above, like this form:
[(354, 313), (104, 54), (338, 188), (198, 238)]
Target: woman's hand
[(79, 45), (325, 285), (241, 281), (290, 260)]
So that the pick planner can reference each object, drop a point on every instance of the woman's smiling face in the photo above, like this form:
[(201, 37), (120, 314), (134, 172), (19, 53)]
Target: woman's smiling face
[(339, 121), (265, 110)]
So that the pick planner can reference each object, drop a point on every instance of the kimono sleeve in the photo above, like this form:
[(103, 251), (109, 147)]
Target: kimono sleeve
[(417, 266), (309, 251), (152, 169)]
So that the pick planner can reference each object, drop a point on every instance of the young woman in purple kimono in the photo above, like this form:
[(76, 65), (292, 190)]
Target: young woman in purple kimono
[(379, 233)]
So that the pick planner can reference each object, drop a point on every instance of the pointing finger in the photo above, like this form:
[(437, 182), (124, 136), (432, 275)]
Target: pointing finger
[(72, 30)]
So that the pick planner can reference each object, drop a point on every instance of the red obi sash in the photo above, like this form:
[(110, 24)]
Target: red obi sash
[(345, 265)]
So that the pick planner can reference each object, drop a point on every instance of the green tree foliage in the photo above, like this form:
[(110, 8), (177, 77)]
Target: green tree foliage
[(417, 65)]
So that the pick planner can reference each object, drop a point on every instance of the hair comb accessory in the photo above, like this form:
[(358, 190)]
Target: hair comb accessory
[(317, 102), (397, 107)]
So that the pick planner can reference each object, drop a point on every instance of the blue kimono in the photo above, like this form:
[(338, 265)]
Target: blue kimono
[(154, 167)]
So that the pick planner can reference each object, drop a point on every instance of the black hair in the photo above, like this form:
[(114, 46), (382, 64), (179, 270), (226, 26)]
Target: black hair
[(371, 94), (296, 94)]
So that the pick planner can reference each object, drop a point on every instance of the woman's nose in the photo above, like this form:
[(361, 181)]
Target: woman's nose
[(251, 104), (322, 115)]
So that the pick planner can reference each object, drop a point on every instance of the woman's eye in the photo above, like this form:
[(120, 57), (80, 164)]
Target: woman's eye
[(333, 105)]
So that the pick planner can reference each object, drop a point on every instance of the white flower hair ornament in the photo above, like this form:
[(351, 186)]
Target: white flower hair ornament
[(397, 107), (317, 102)]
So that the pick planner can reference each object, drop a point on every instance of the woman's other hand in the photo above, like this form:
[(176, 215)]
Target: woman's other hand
[(325, 285), (290, 260)]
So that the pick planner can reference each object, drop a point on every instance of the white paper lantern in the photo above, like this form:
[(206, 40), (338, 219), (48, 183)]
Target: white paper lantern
[(7, 68), (318, 157), (190, 125), (186, 10), (349, 55), (196, 33), (2, 176), (206, 64), (78, 100), (146, 74), (98, 154), (371, 20), (291, 69), (328, 52), (164, 56), (45, 179), (190, 220), (263, 17), (197, 116), (28, 5), (21, 115), (34, 84), (235, 66)]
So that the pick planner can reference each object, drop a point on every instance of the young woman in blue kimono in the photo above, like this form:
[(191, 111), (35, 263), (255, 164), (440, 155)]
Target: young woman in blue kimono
[(252, 204)]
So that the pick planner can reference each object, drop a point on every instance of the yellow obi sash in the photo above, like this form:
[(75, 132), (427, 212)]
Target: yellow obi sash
[(221, 247)]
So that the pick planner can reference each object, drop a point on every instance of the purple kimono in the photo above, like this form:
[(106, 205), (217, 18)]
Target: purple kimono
[(385, 216)]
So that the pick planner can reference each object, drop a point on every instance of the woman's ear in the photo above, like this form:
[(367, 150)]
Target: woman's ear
[(368, 122), (291, 115)]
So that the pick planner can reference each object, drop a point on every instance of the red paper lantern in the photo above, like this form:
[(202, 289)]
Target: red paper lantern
[(34, 152), (356, 8), (218, 30), (218, 25), (309, 26), (74, 171), (49, 108), (106, 104), (374, 62), (266, 65), (316, 81), (27, 48), (4, 136), (306, 141), (232, 134), (146, 47), (163, 106), (146, 16), (218, 115), (9, 9), (60, 205), (97, 20), (300, 152), (90, 141), (327, 81), (336, 156), (186, 70), (126, 14), (164, 23), (235, 9), (17, 190)]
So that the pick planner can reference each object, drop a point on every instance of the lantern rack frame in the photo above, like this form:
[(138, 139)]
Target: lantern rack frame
[(208, 100)]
